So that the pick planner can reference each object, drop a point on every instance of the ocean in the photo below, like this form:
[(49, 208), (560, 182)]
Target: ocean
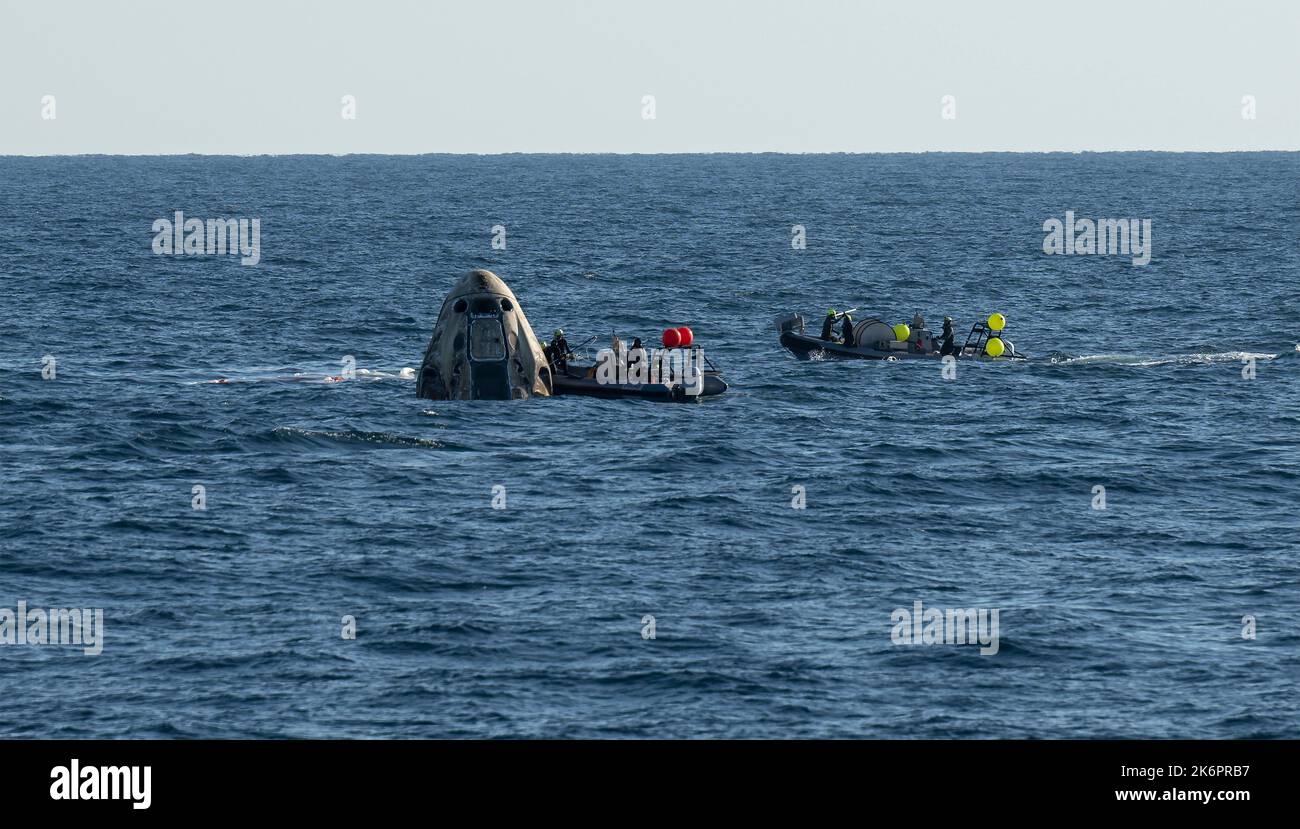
[(1125, 500)]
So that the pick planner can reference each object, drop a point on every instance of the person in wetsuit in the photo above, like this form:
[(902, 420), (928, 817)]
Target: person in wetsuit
[(637, 361), (557, 351), (846, 329), (828, 326), (947, 347)]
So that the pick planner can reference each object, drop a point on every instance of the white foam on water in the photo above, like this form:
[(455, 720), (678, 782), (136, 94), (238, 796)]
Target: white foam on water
[(407, 373), (1171, 359), (371, 375), (353, 436)]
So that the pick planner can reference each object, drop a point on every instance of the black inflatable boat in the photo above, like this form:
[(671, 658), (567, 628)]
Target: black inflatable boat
[(874, 339), (701, 379)]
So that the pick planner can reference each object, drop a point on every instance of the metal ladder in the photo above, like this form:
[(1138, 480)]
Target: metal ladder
[(979, 335)]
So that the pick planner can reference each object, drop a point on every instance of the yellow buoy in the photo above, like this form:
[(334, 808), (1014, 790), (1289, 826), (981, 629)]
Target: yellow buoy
[(997, 322), (902, 332), (994, 347)]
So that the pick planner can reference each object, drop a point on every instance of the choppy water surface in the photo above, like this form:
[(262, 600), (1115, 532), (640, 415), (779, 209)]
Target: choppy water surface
[(328, 499)]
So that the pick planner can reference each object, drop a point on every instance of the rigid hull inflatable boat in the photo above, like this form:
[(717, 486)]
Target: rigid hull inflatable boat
[(874, 339), (700, 379)]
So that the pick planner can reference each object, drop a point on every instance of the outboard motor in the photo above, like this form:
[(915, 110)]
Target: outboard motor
[(789, 322)]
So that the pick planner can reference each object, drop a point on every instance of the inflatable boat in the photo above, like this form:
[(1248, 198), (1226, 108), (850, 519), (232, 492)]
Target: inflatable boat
[(874, 339), (587, 377)]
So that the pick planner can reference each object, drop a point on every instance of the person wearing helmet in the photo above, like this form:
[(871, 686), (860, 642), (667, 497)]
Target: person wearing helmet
[(638, 362), (846, 329), (828, 327), (947, 347), (557, 351)]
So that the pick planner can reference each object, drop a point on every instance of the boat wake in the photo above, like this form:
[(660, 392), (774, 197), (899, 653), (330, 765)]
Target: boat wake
[(1198, 358), (406, 374)]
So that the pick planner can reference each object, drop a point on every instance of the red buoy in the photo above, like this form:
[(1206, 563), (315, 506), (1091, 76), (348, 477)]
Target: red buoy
[(672, 338), (688, 336)]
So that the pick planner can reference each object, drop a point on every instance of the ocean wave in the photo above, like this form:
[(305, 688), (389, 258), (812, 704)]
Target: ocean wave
[(330, 437)]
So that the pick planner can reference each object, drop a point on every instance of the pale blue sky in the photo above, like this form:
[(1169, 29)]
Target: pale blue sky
[(143, 76)]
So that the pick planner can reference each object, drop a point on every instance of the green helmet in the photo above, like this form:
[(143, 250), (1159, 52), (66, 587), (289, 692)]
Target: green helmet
[(830, 313), (559, 332)]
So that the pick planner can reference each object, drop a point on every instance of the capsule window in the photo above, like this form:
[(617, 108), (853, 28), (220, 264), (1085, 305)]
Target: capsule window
[(460, 306)]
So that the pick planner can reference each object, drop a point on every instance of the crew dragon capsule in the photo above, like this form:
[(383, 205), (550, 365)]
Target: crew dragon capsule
[(482, 346)]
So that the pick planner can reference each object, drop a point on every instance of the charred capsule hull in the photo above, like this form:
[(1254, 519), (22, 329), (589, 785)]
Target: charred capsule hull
[(482, 347)]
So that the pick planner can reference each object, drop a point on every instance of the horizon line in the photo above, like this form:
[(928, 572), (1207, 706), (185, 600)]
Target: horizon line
[(640, 153)]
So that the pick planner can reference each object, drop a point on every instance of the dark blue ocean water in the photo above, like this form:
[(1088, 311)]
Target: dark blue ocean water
[(355, 498)]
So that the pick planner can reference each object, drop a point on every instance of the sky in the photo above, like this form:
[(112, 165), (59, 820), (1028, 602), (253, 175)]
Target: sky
[(237, 77)]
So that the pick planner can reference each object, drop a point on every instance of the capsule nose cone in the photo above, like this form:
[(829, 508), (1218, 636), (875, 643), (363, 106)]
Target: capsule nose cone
[(479, 281)]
